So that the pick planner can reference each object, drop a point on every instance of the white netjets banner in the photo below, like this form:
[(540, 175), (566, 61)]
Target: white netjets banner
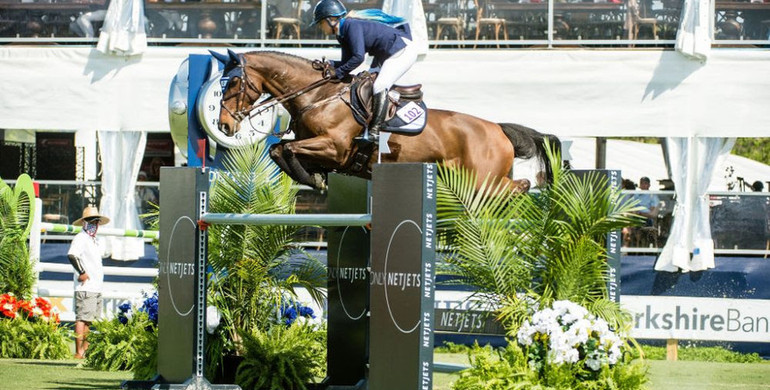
[(688, 318)]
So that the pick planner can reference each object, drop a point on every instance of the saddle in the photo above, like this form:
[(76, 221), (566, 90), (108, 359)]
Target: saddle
[(407, 113)]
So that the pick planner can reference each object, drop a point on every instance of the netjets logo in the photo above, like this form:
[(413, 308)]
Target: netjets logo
[(395, 282), (348, 275), (177, 269), (400, 280)]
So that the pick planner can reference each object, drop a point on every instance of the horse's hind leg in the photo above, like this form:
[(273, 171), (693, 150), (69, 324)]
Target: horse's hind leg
[(520, 186)]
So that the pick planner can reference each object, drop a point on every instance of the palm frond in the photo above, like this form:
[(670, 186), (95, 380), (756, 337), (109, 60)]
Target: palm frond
[(256, 267), (549, 246)]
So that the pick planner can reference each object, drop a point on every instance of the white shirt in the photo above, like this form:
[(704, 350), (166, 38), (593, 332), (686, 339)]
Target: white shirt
[(89, 251)]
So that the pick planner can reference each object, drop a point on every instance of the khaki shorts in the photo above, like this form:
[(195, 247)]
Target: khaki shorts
[(88, 306)]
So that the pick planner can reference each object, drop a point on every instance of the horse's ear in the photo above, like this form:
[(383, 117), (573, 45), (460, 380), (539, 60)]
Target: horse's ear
[(220, 57), (233, 56)]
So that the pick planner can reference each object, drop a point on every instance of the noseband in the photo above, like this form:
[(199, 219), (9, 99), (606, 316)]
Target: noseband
[(240, 96), (243, 113)]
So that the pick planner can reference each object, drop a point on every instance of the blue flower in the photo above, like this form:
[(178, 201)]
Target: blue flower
[(289, 312), (292, 310), (125, 307), (150, 306), (124, 315), (306, 311)]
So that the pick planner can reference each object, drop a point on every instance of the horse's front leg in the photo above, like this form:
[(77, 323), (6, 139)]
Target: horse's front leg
[(288, 162), (324, 151)]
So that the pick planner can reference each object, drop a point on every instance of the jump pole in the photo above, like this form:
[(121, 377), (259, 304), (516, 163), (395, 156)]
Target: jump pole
[(395, 332)]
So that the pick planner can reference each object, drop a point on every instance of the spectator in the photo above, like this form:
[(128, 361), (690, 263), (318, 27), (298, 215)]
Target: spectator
[(155, 164), (83, 25), (627, 231), (649, 202), (85, 255), (146, 196)]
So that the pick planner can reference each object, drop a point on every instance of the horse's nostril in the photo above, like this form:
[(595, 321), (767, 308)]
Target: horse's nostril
[(225, 128)]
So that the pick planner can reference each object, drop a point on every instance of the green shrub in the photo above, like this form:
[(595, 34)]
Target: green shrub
[(23, 339), (450, 347), (282, 358), (113, 345), (145, 362), (701, 354), (29, 329), (127, 342), (508, 368)]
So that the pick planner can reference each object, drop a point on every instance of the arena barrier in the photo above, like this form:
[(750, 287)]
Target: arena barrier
[(380, 286)]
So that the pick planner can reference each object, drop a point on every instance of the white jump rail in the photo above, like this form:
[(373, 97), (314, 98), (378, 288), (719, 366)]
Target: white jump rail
[(103, 231), (39, 227)]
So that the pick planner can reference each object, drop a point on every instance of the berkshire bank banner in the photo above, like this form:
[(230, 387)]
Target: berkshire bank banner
[(688, 318)]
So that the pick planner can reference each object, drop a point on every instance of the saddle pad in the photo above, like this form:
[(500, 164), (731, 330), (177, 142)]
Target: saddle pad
[(410, 118)]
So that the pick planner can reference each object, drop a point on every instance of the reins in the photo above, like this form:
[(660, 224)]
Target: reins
[(327, 76)]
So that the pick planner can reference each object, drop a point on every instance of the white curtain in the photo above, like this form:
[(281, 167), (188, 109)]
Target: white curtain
[(412, 11), (692, 164), (123, 29), (696, 27), (121, 153), (711, 153)]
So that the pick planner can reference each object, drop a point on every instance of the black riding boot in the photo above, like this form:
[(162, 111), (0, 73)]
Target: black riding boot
[(379, 111)]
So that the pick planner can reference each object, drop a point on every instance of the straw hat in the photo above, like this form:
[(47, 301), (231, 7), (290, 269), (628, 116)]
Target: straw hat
[(92, 212)]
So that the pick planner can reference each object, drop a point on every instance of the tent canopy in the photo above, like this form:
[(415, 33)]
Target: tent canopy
[(569, 92)]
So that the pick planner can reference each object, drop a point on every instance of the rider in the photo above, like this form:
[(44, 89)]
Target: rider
[(385, 37)]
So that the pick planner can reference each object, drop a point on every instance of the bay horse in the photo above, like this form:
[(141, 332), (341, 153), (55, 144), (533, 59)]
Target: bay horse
[(325, 128)]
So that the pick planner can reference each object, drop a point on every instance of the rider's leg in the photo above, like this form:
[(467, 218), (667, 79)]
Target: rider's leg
[(392, 70), (379, 111)]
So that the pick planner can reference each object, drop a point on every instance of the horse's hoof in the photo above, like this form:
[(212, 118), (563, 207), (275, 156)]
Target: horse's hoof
[(523, 187), (319, 181)]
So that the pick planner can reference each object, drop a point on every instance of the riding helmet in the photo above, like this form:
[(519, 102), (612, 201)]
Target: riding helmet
[(328, 9)]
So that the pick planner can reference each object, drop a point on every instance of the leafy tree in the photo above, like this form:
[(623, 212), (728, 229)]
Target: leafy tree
[(757, 149)]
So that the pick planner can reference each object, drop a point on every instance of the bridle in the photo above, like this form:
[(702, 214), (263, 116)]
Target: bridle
[(246, 84)]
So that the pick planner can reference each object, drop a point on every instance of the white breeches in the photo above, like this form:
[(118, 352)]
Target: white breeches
[(395, 67)]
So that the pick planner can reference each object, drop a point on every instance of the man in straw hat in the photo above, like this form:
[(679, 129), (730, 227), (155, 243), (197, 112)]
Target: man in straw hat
[(85, 255)]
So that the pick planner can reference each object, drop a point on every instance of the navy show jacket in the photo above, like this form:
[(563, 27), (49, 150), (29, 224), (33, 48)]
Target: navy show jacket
[(360, 36)]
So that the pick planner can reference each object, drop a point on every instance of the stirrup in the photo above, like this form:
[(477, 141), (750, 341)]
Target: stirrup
[(367, 136)]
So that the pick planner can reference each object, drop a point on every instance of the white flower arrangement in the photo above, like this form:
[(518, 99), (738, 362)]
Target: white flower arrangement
[(567, 333)]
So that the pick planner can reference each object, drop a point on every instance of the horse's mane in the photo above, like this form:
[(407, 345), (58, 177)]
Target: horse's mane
[(283, 56)]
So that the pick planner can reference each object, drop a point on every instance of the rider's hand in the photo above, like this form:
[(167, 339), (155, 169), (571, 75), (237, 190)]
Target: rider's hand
[(83, 277)]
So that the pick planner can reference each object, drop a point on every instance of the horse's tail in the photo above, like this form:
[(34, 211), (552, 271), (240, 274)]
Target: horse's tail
[(528, 143)]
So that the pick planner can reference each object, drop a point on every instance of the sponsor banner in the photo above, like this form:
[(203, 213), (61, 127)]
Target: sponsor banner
[(467, 321), (688, 318), (455, 313)]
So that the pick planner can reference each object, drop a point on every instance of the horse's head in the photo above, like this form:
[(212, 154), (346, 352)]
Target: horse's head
[(239, 91)]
